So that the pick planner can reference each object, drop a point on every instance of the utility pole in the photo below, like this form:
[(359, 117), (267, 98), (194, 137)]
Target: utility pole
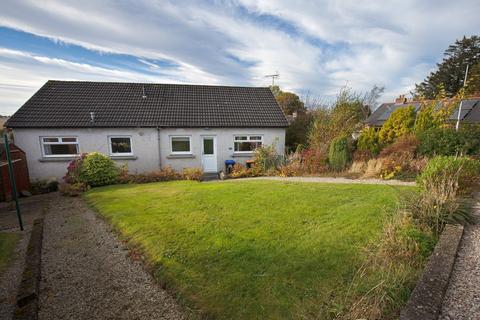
[(461, 101), (273, 76), (12, 180)]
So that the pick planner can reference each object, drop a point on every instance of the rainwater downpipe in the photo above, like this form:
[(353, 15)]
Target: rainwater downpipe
[(159, 149)]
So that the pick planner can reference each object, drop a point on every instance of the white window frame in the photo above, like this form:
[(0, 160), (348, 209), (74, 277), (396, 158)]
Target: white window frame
[(60, 139), (248, 140), (180, 152), (120, 154)]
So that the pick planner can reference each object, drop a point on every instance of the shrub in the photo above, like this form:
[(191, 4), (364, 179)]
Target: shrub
[(73, 189), (266, 157), (362, 155), (398, 157), (368, 141), (292, 167), (426, 119), (442, 183), (314, 161), (165, 174), (98, 170), (447, 141), (192, 174), (399, 123), (239, 171), (339, 153), (44, 186), (74, 169), (442, 171)]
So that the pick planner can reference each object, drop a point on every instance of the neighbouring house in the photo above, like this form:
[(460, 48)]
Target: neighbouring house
[(470, 111), (146, 126)]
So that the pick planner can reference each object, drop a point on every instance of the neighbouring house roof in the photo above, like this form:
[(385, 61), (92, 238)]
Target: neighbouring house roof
[(69, 104), (470, 112)]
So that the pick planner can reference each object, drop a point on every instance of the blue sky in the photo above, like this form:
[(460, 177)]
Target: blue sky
[(316, 46)]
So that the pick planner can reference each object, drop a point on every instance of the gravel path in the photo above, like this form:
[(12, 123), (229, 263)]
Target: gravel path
[(10, 279), (462, 299), (330, 180), (86, 273)]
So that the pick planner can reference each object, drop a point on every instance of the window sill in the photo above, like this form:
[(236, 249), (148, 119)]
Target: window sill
[(124, 157), (181, 156), (243, 155), (57, 159)]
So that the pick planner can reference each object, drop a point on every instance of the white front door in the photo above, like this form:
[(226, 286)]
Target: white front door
[(209, 154)]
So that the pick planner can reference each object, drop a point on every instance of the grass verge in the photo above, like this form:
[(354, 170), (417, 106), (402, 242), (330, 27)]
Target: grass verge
[(8, 242)]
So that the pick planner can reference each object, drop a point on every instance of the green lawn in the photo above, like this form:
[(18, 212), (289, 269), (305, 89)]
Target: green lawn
[(251, 249), (8, 242)]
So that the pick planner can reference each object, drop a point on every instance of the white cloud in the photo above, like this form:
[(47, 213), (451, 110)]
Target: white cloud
[(22, 73), (391, 43)]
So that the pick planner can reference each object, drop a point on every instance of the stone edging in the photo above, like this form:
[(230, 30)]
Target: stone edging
[(27, 297), (426, 300)]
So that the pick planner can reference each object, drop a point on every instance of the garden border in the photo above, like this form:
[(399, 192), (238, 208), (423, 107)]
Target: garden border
[(427, 297), (27, 297)]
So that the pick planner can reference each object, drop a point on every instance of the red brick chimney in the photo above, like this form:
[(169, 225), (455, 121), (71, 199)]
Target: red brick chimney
[(401, 99)]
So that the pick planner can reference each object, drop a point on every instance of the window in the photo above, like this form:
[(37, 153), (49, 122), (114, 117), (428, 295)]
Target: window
[(247, 143), (120, 145), (180, 145), (59, 146)]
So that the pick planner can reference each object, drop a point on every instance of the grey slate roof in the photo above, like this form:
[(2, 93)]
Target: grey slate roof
[(67, 104), (382, 113), (470, 112)]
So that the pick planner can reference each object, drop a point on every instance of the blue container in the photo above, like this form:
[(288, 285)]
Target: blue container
[(229, 166), (229, 162)]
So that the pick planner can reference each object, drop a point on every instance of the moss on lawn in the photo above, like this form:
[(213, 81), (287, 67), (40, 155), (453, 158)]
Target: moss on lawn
[(8, 242)]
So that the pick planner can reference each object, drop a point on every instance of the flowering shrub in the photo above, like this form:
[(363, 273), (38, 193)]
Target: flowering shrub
[(74, 169)]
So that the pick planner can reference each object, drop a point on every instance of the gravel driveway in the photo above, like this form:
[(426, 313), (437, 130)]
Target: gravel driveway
[(86, 273), (462, 299), (11, 277)]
